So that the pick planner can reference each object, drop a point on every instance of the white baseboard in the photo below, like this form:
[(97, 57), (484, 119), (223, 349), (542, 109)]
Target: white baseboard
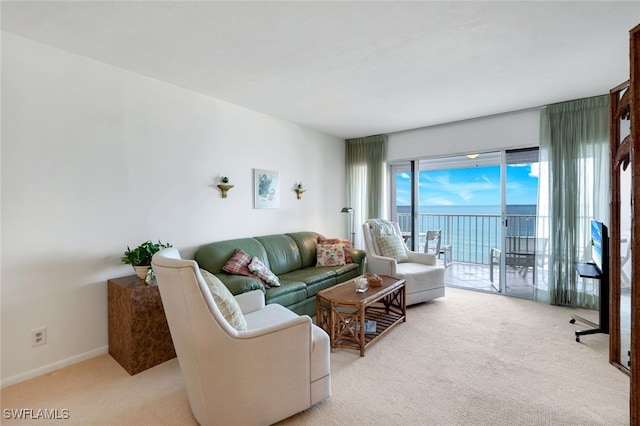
[(52, 367)]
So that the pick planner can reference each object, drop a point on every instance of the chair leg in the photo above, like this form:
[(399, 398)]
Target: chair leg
[(523, 271)]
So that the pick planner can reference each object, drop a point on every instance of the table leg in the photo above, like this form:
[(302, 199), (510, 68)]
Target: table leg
[(332, 326), (362, 341)]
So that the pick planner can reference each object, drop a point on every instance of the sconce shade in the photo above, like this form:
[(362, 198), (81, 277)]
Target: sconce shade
[(347, 210)]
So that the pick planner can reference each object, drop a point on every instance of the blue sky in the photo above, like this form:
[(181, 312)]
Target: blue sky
[(477, 186)]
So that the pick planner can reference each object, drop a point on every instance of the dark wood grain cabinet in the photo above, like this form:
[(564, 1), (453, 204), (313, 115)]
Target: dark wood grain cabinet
[(139, 335)]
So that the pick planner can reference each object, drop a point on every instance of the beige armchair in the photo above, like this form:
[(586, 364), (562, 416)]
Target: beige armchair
[(424, 277), (276, 367)]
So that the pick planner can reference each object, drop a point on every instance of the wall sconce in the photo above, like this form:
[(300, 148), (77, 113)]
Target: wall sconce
[(299, 190), (224, 186)]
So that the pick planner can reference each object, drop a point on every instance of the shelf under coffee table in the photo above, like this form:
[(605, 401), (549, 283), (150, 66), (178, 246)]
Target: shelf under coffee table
[(342, 312)]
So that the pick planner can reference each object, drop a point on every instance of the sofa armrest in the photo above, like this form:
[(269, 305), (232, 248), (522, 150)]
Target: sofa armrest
[(358, 256), (251, 301), (424, 258)]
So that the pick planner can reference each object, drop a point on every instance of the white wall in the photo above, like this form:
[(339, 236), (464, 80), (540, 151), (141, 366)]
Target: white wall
[(513, 130), (95, 158)]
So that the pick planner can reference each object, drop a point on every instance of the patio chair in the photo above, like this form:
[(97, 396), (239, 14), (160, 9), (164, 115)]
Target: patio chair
[(432, 245), (521, 253)]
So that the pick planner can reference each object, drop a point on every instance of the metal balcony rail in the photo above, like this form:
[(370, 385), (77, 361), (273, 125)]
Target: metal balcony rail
[(471, 236)]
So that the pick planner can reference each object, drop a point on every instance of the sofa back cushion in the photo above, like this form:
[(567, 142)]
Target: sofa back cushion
[(282, 253), (306, 242), (213, 256)]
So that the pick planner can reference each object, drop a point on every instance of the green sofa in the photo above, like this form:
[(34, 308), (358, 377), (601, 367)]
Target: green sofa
[(292, 257)]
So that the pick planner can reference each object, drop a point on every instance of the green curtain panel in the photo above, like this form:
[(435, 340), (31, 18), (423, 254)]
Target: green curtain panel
[(574, 188), (365, 160)]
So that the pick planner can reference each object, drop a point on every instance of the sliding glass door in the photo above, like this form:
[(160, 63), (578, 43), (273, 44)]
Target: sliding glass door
[(461, 197), (483, 206), (523, 250)]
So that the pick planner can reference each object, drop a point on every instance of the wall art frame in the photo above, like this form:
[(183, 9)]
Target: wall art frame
[(266, 189)]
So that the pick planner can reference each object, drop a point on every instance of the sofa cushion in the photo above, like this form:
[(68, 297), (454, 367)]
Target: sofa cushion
[(288, 293), (282, 253), (261, 270), (345, 269), (421, 277), (330, 255), (225, 301), (392, 246), (310, 275), (238, 284), (313, 289), (306, 242)]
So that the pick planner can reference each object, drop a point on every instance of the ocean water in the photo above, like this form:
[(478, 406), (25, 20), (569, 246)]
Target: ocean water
[(472, 231), (523, 209)]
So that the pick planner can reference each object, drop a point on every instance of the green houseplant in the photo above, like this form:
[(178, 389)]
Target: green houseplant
[(140, 257)]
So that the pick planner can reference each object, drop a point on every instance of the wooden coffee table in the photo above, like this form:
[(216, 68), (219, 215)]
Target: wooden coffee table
[(342, 312)]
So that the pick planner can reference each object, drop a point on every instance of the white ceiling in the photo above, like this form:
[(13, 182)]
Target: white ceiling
[(353, 68)]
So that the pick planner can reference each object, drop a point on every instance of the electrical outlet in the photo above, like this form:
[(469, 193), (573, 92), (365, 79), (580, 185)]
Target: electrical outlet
[(38, 337)]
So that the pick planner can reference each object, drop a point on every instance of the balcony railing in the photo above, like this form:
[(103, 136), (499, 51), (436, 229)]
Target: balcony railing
[(471, 236)]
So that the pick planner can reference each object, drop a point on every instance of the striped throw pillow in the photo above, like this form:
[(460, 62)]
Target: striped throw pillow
[(226, 303), (238, 264)]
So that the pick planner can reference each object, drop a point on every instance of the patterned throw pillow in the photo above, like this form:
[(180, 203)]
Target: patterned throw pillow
[(330, 255), (346, 243), (260, 269), (238, 264), (226, 303), (392, 246)]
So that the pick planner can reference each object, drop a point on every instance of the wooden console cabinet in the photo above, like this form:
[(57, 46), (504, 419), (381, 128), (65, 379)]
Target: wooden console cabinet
[(139, 335)]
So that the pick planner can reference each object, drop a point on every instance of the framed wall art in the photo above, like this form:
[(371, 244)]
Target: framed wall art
[(266, 189)]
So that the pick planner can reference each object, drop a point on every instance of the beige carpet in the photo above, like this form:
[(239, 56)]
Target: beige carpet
[(467, 359)]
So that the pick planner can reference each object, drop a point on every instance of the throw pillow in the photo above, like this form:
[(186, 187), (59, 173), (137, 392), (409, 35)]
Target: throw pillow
[(260, 269), (226, 303), (346, 243), (392, 246), (330, 255), (238, 264)]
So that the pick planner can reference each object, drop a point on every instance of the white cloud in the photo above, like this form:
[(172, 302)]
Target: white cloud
[(439, 201), (466, 195)]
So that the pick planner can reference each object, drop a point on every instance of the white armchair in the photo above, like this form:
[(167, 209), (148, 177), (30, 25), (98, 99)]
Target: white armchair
[(424, 277), (275, 368)]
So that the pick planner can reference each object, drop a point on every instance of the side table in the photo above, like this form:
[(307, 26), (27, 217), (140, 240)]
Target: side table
[(139, 336)]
